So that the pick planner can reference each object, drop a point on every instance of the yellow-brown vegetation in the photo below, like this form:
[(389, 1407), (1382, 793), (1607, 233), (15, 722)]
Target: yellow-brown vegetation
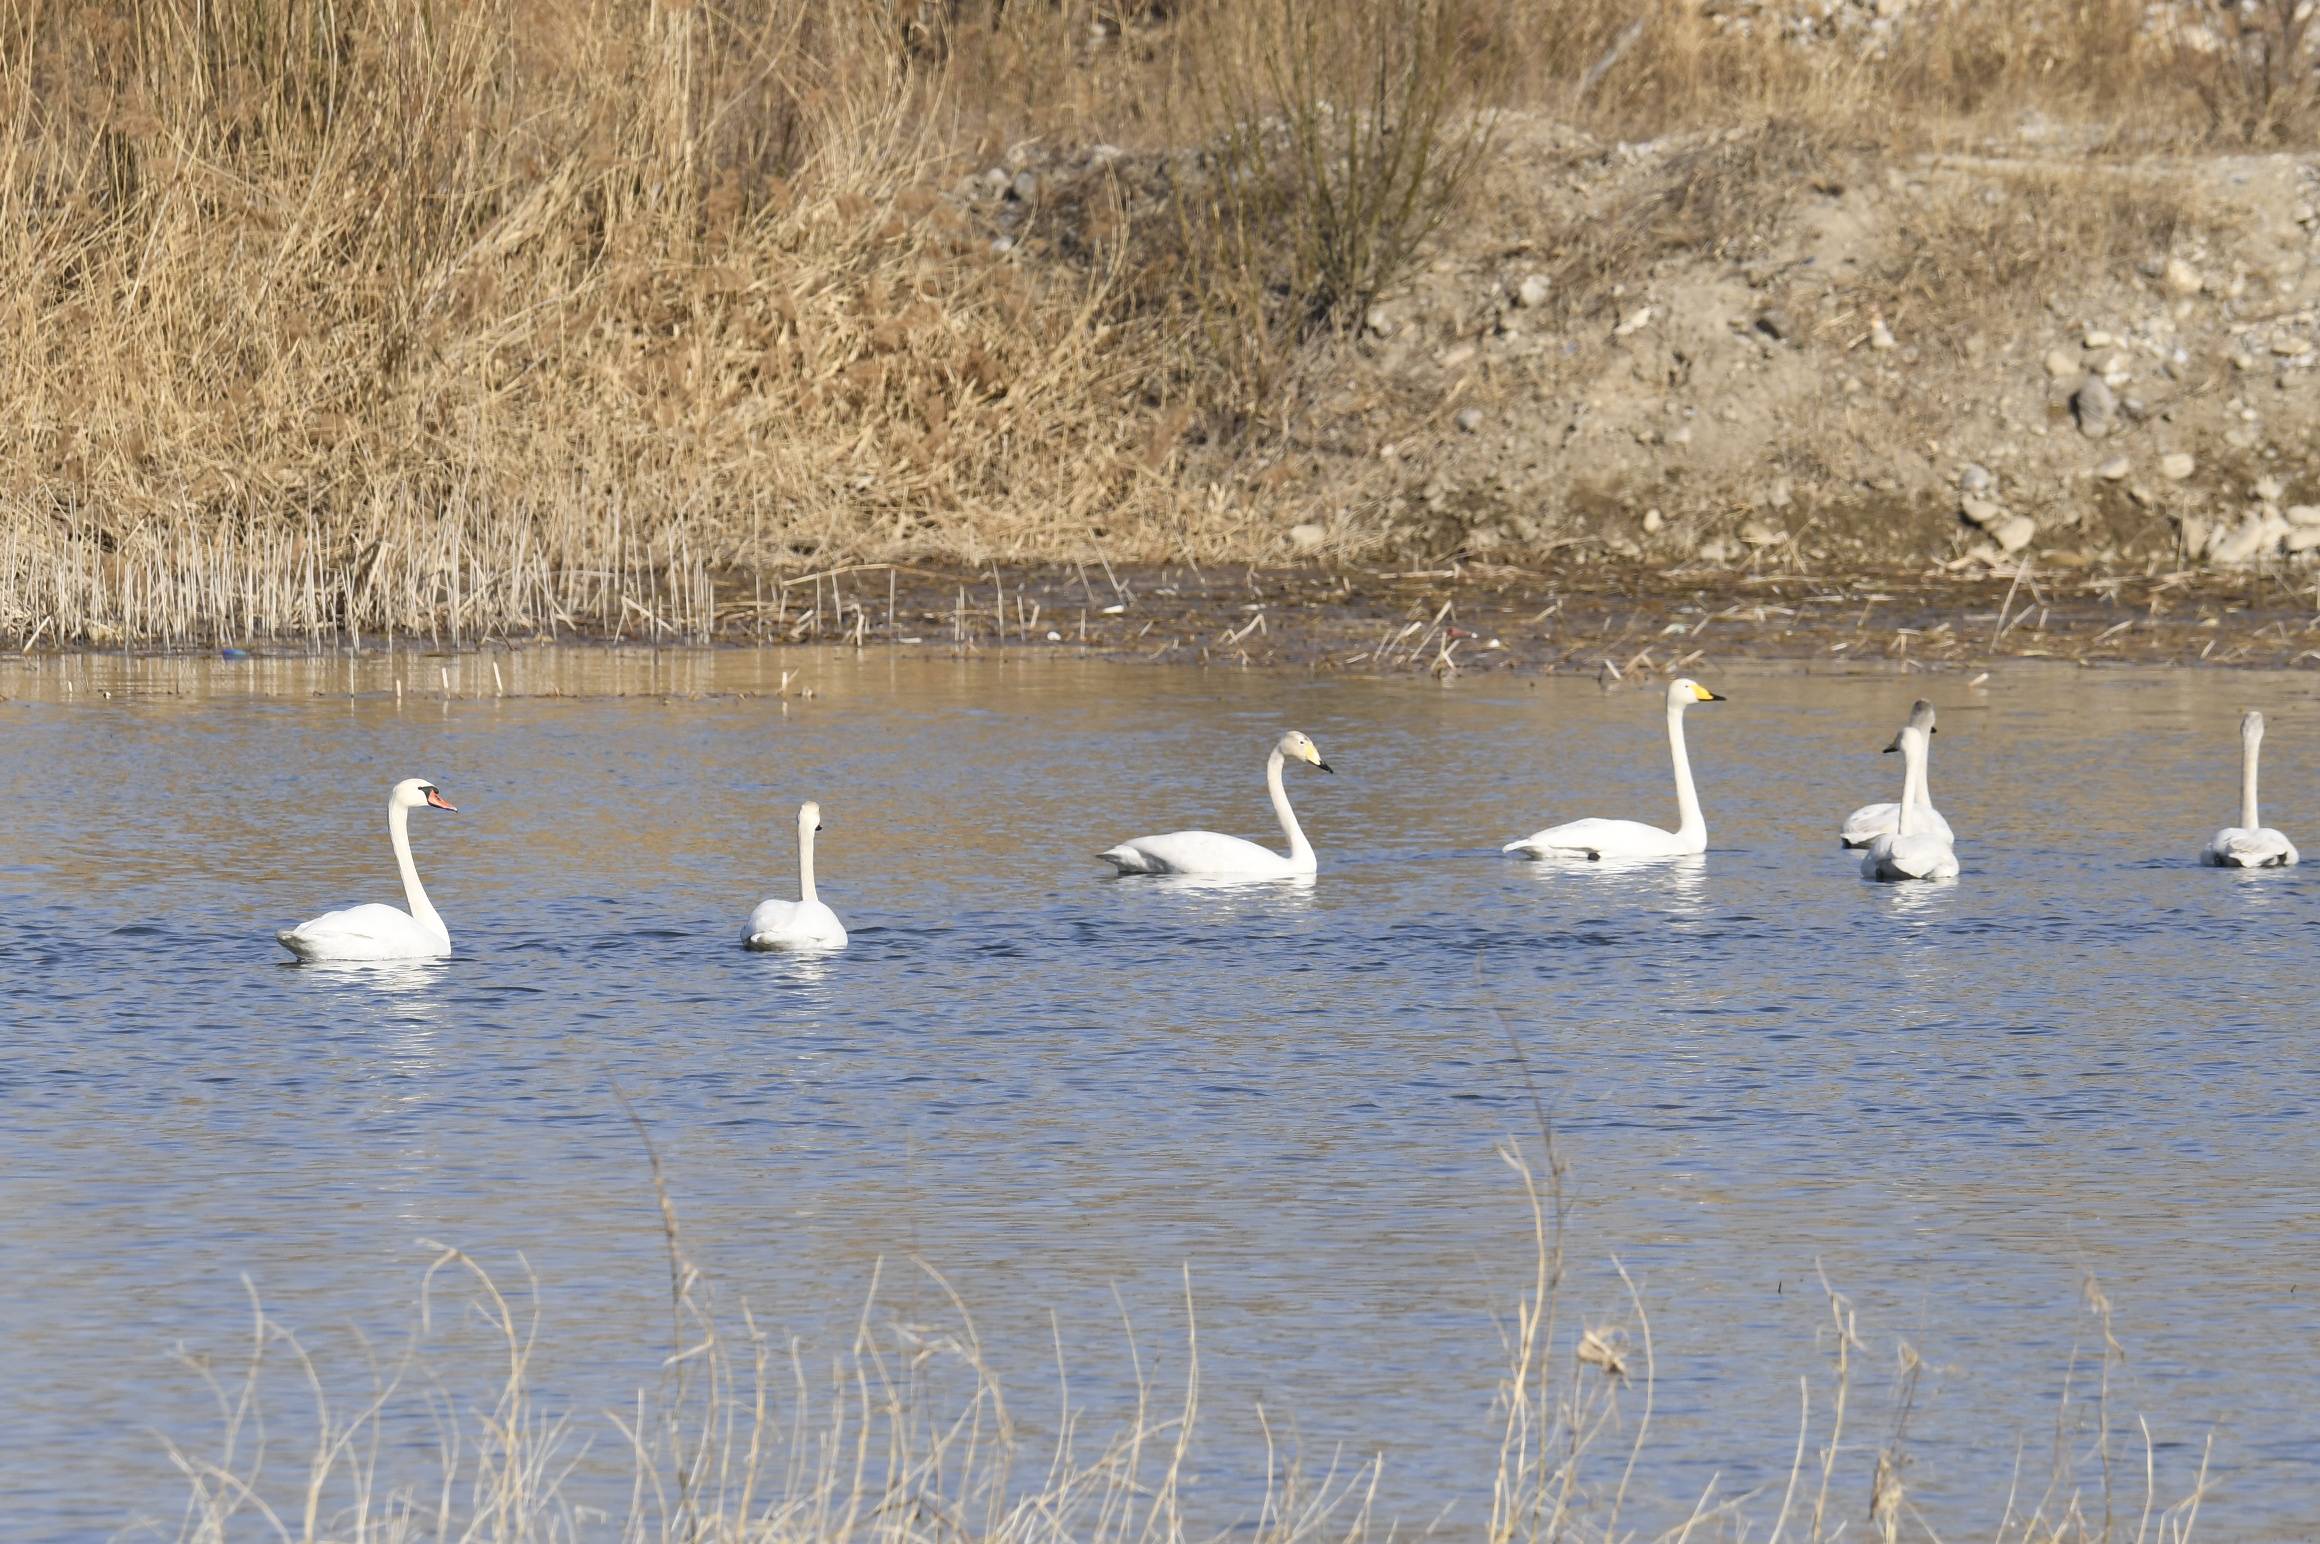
[(336, 317)]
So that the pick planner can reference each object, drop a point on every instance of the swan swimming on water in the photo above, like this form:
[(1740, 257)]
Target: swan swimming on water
[(2248, 845), (1912, 851), (804, 923), (1871, 821), (1598, 839), (1213, 854), (376, 932)]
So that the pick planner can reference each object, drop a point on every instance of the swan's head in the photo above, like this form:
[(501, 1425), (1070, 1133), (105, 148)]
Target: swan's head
[(809, 816), (2251, 726), (1921, 716), (1296, 745), (1684, 691), (1909, 742), (412, 792)]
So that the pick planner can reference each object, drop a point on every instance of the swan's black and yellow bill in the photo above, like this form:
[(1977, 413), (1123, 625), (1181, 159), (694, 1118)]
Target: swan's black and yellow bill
[(1326, 767), (435, 797)]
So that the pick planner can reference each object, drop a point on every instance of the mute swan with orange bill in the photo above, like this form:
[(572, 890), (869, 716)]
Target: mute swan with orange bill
[(376, 932)]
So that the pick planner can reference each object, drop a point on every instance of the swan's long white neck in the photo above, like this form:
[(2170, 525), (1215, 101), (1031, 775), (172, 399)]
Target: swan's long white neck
[(1913, 799), (1300, 850), (414, 894), (2251, 740), (1689, 822), (806, 860)]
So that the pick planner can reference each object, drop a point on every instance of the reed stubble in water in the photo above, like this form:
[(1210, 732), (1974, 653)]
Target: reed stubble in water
[(906, 1433)]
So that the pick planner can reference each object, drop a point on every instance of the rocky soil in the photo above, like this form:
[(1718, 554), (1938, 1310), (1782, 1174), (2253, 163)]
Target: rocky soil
[(1764, 351)]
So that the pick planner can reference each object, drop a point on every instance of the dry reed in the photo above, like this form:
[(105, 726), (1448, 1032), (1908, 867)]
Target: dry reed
[(336, 319), (907, 1435)]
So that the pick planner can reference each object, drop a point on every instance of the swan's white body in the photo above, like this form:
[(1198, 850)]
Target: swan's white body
[(1212, 854), (2248, 844), (1871, 821), (1595, 840), (1911, 852), (804, 923), (376, 932)]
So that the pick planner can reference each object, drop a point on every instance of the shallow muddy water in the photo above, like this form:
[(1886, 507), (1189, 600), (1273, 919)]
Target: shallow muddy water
[(2087, 1058)]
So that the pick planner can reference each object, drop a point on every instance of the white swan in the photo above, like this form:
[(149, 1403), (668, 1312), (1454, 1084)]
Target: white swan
[(2248, 845), (804, 923), (376, 932), (1871, 821), (1913, 851), (1598, 839), (1214, 854)]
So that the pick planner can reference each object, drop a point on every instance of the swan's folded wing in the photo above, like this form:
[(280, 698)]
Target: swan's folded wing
[(777, 923), (1595, 838), (1194, 852), (1909, 857), (369, 932), (373, 921), (2237, 847), (771, 919), (1868, 823)]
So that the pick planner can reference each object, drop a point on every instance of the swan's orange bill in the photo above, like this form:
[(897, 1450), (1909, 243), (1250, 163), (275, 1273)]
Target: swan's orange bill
[(436, 798)]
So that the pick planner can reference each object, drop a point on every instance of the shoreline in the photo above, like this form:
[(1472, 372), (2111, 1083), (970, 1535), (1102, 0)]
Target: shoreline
[(1457, 620)]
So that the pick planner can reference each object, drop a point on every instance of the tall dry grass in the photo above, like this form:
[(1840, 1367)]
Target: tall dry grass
[(336, 318), (907, 1434)]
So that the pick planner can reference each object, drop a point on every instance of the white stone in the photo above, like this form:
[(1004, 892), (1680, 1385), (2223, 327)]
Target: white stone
[(2061, 364), (2015, 532), (2177, 465), (1307, 538), (1980, 511), (2115, 469), (2182, 278), (1533, 291), (2303, 514), (2240, 545)]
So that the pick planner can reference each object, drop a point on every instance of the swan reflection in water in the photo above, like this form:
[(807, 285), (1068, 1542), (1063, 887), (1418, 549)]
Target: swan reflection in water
[(1673, 886)]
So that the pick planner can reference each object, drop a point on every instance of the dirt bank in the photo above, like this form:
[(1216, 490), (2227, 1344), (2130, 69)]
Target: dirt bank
[(1775, 342)]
